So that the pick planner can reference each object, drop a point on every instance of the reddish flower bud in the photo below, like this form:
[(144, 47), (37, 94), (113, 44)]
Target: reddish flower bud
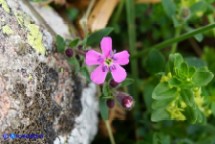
[(125, 100), (110, 103), (69, 52), (113, 84)]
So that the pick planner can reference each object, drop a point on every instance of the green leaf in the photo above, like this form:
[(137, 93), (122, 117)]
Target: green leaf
[(103, 108), (175, 61), (161, 138), (182, 71), (194, 115), (169, 7), (105, 90), (159, 115), (95, 38), (161, 103), (187, 96), (74, 63), (199, 7), (60, 43), (163, 91), (202, 78), (85, 73), (174, 82), (127, 82), (192, 70), (196, 62), (72, 13), (154, 62), (73, 43), (178, 59)]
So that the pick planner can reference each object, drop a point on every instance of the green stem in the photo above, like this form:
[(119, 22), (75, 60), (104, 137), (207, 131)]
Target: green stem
[(109, 132), (130, 9), (212, 21), (177, 34), (118, 12), (174, 40)]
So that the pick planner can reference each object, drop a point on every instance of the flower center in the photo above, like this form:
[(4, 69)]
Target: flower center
[(108, 61)]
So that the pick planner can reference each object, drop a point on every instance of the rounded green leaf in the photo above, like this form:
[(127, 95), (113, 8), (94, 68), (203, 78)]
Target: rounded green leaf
[(163, 91), (202, 78), (103, 108), (187, 96), (95, 38), (159, 115)]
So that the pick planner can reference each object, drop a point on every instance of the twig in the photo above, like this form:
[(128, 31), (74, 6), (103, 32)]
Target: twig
[(84, 19), (195, 46)]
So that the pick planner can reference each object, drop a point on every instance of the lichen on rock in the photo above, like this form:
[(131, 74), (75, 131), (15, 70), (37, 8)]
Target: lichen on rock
[(4, 6), (7, 30), (35, 95), (35, 38)]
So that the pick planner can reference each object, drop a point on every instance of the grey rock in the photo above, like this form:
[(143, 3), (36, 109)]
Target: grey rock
[(39, 91)]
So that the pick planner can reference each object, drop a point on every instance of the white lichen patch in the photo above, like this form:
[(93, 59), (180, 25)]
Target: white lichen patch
[(4, 5), (7, 30), (35, 38)]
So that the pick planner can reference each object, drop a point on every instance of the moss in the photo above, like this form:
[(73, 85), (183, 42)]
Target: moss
[(4, 5), (7, 30), (35, 38)]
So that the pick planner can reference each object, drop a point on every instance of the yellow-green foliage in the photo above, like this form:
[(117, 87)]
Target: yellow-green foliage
[(4, 5), (35, 38), (176, 112), (166, 78), (7, 30)]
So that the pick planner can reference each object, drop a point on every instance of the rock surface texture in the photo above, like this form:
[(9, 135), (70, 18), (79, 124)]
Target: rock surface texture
[(39, 92)]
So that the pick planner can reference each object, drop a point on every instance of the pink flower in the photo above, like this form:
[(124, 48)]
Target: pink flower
[(107, 61)]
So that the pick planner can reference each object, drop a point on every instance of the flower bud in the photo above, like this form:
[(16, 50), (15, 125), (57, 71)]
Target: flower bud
[(69, 52), (80, 47), (110, 103), (113, 83), (125, 100), (185, 13)]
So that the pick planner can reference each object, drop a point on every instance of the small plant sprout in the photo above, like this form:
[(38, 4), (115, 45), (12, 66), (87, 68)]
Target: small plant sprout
[(108, 61)]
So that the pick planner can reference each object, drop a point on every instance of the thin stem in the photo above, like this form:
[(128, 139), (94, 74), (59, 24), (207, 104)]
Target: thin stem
[(174, 40), (195, 46), (109, 132), (211, 20), (118, 12), (130, 9), (177, 34)]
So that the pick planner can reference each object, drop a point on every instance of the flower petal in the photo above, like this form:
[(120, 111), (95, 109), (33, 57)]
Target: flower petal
[(119, 74), (122, 58), (93, 58), (106, 46), (99, 74)]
